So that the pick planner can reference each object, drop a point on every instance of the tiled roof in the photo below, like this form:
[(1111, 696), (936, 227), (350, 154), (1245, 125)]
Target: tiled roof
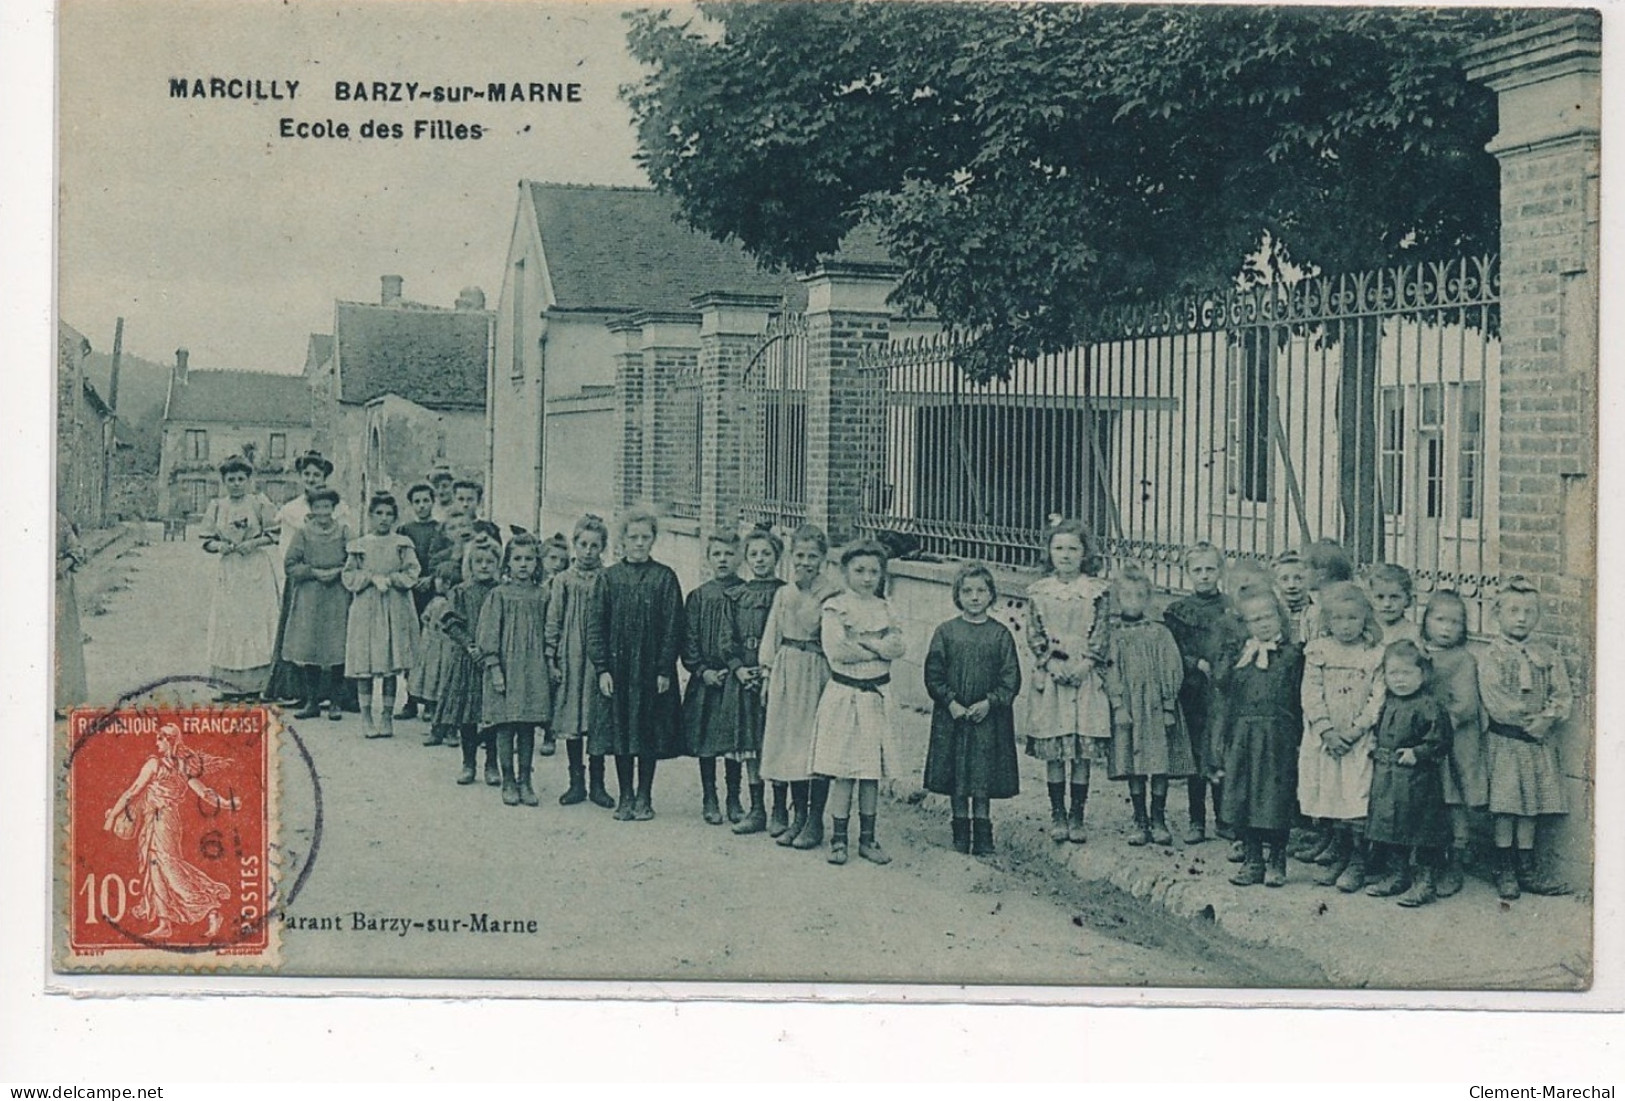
[(621, 248), (318, 352), (435, 357), (240, 397)]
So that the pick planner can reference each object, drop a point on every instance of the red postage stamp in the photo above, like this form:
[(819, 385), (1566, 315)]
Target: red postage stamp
[(170, 829)]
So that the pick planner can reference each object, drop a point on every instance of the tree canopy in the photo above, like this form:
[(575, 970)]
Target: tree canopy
[(1029, 164)]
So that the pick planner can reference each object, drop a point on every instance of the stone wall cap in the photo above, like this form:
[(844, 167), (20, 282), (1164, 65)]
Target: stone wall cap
[(661, 317), (772, 303), (1523, 56), (854, 270)]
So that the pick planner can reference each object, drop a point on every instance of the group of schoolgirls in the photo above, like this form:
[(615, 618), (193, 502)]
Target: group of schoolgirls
[(1324, 721), (351, 599), (1335, 729)]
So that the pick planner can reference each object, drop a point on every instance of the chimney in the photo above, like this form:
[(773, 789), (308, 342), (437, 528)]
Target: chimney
[(392, 291), (181, 355), (471, 298)]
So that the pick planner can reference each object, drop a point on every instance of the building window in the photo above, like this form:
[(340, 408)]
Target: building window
[(197, 444), (279, 447), (1393, 450), (195, 495), (517, 368), (1470, 451)]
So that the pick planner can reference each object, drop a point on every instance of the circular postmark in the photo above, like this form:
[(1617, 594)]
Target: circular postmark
[(173, 824)]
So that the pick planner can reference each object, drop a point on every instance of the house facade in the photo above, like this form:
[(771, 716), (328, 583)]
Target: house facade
[(209, 415), (400, 386), (84, 434), (579, 259)]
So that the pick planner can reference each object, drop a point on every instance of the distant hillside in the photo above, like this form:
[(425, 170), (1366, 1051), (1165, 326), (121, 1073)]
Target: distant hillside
[(142, 385)]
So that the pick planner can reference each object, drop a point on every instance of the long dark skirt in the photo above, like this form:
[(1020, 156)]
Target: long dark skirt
[(288, 680), (972, 760)]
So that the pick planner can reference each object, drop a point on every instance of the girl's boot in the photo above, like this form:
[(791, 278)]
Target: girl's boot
[(1449, 880), (597, 794), (1251, 871), (471, 751), (1352, 877), (628, 795), (837, 840), (961, 833), (368, 730), (311, 707), (812, 834), (1275, 868), (1423, 889), (735, 811), (436, 735), (1506, 875), (1074, 818), (1533, 880), (493, 774), (798, 813), (1140, 834), (525, 752), (510, 786), (755, 820), (1160, 834), (1395, 880), (386, 715), (1196, 799), (778, 819), (577, 791), (643, 807), (868, 847), (1340, 850), (1057, 812), (710, 808), (981, 837)]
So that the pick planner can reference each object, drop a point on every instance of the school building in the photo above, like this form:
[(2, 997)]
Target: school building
[(1438, 416)]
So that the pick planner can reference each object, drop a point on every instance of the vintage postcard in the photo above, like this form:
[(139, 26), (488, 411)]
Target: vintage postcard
[(959, 495)]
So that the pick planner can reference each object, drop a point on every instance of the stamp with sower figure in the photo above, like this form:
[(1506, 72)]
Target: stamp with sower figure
[(170, 828)]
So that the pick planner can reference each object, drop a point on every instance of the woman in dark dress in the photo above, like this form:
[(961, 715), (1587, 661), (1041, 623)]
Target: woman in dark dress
[(1259, 721), (317, 607), (972, 675), (633, 636)]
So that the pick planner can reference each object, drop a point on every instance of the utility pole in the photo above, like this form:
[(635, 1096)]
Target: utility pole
[(110, 433)]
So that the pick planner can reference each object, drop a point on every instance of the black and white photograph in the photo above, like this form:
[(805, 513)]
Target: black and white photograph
[(969, 495)]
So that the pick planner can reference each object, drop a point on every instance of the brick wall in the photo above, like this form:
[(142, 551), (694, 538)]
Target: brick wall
[(847, 315), (1546, 78)]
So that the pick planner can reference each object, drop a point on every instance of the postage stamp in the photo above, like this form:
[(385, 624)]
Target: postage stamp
[(170, 829)]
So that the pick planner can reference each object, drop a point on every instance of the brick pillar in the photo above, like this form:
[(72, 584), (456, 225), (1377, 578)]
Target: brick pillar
[(630, 390), (731, 328), (847, 315), (1547, 78), (671, 343)]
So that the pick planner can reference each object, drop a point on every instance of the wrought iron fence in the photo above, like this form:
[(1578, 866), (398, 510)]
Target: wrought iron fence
[(774, 421), (1359, 408), (684, 425)]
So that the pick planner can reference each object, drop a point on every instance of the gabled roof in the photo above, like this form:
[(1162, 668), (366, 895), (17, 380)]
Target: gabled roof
[(434, 357), (240, 397), (318, 352), (621, 248)]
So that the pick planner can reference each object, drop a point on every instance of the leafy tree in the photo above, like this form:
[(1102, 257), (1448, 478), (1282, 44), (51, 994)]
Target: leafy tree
[(1029, 164)]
